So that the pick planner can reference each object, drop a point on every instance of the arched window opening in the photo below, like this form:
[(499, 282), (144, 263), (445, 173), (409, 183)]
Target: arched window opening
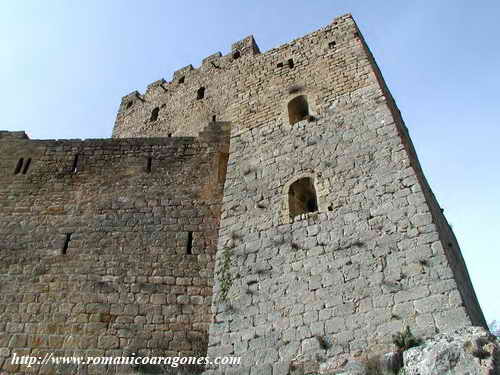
[(298, 109), (154, 114), (19, 165), (236, 55), (302, 197), (200, 93)]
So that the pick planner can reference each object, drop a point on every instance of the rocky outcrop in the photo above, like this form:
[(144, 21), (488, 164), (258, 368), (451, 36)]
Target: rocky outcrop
[(470, 350), (466, 351)]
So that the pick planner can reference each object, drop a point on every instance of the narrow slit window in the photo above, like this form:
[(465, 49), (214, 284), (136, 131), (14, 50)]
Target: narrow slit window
[(200, 94), (290, 63), (214, 118), (154, 114), (19, 165), (74, 167), (302, 197), (189, 245), (67, 240), (149, 162), (26, 166), (236, 55), (298, 109)]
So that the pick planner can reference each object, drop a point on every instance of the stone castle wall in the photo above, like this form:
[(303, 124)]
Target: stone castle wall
[(327, 285), (125, 281), (375, 257)]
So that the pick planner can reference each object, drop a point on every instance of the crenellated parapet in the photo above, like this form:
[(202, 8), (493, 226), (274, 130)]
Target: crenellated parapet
[(220, 88)]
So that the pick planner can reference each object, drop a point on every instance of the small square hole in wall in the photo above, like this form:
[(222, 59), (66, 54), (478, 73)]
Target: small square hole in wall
[(280, 65), (200, 94), (182, 79), (154, 114), (332, 45)]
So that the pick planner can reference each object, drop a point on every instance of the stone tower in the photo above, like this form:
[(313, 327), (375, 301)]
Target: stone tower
[(286, 180), (330, 238)]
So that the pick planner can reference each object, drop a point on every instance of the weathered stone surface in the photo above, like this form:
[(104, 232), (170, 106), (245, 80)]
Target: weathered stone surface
[(308, 196), (125, 277), (471, 350)]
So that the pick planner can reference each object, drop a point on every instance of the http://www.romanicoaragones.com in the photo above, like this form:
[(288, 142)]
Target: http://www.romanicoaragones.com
[(131, 360)]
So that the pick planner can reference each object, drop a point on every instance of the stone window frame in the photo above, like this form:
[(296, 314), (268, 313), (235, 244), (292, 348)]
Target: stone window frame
[(285, 208), (311, 100)]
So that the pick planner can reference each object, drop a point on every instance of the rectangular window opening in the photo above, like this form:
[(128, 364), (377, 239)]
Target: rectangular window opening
[(19, 165), (189, 245), (290, 63), (331, 45), (148, 164), (64, 250), (74, 167), (26, 166), (280, 65)]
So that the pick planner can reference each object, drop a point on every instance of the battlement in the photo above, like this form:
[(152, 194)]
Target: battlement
[(243, 48), (196, 95)]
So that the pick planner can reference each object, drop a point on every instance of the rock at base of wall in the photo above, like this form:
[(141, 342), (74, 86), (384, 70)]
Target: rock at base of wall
[(469, 350), (466, 351)]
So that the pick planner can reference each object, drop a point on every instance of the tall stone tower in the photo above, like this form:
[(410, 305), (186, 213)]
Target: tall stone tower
[(271, 204), (330, 238)]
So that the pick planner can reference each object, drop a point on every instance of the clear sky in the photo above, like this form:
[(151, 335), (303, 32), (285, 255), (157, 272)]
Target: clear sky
[(64, 66)]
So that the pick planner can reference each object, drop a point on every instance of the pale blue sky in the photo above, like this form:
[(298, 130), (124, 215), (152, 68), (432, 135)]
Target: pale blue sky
[(64, 65)]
